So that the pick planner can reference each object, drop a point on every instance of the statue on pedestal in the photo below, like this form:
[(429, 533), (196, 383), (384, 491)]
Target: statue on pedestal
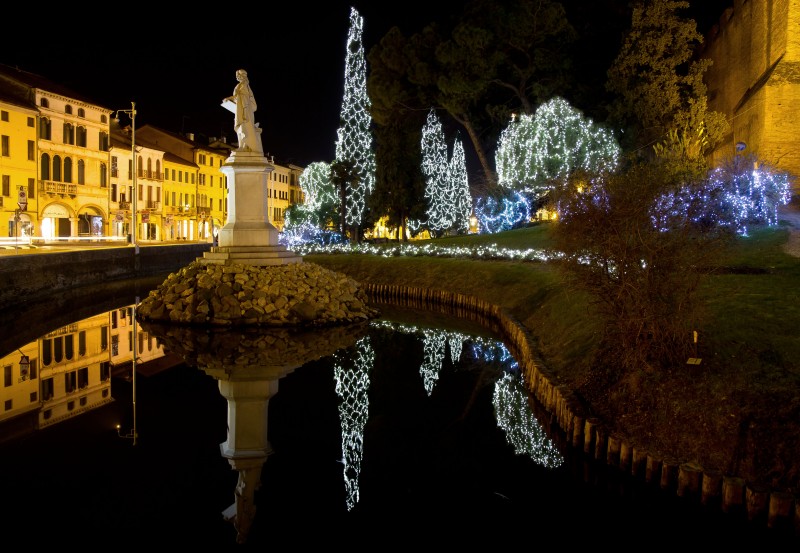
[(243, 106)]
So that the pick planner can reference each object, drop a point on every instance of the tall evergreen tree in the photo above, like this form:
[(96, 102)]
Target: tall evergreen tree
[(435, 167), (459, 182), (398, 116), (354, 136)]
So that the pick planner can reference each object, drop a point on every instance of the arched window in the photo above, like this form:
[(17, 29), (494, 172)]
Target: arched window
[(81, 112), (45, 166), (103, 118), (81, 136), (44, 128), (158, 169), (68, 109), (56, 168), (67, 169), (103, 175), (81, 172), (44, 102), (103, 139), (149, 168), (139, 167), (69, 133)]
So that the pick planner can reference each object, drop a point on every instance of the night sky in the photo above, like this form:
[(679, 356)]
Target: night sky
[(178, 69)]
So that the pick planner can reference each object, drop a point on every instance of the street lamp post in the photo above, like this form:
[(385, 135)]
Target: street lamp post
[(132, 114)]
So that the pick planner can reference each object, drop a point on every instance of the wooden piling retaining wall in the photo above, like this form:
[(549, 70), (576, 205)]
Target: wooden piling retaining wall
[(778, 509)]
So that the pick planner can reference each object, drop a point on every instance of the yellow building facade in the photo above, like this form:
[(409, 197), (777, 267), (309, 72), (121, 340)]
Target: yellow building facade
[(755, 49)]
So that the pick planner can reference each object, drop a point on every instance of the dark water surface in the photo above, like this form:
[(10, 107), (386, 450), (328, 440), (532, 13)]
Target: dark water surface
[(394, 441)]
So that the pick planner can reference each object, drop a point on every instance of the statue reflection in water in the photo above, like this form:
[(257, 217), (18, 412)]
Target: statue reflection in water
[(247, 364)]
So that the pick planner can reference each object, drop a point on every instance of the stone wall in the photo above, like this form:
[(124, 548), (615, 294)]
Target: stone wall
[(28, 277), (755, 80)]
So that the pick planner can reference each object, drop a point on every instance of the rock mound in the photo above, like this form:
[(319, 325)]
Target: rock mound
[(294, 294)]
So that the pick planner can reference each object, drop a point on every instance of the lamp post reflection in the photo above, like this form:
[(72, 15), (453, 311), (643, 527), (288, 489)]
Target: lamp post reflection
[(133, 434)]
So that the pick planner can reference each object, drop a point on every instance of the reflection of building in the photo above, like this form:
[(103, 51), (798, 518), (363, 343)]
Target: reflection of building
[(752, 80), (74, 369), (71, 369)]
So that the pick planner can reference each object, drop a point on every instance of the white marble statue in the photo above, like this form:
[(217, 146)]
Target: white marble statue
[(243, 106)]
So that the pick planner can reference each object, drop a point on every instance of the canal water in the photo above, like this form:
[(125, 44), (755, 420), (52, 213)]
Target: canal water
[(413, 430)]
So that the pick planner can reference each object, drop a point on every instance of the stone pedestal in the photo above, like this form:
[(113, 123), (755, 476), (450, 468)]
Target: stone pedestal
[(248, 237)]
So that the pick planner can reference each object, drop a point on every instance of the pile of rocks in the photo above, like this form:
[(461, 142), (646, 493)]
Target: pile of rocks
[(295, 294)]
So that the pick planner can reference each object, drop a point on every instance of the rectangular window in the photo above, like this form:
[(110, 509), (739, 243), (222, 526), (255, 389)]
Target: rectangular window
[(105, 371), (6, 185), (83, 378), (82, 343), (31, 188), (6, 146), (9, 404), (32, 371), (70, 381), (31, 122), (4, 115), (104, 338), (48, 389), (31, 150), (34, 397), (7, 376)]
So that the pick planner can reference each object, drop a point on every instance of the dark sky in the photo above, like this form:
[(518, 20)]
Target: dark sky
[(178, 68)]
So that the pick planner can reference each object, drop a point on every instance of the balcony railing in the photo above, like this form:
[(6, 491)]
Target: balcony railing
[(204, 211), (153, 175), (51, 187), (150, 204), (114, 172), (124, 205)]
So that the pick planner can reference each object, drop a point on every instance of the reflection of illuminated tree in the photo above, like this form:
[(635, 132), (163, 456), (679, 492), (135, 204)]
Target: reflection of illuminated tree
[(433, 344), (351, 371), (492, 351), (456, 342), (522, 430)]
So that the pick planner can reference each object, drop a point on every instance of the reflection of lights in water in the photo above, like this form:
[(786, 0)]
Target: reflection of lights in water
[(522, 430), (495, 352), (351, 372), (456, 342), (433, 344)]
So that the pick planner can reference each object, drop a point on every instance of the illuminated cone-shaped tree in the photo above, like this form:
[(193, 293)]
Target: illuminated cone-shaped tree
[(351, 373), (459, 183), (354, 136), (436, 169)]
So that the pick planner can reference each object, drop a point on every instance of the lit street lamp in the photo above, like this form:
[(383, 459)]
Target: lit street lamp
[(132, 114)]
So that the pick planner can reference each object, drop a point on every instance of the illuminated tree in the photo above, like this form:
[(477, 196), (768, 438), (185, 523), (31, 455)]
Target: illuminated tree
[(317, 186), (536, 152), (459, 183), (435, 167), (354, 137)]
